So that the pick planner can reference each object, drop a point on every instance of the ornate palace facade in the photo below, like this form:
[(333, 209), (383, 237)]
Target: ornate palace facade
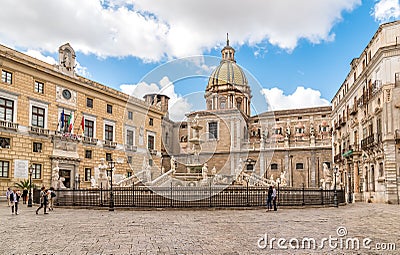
[(49, 116), (365, 118)]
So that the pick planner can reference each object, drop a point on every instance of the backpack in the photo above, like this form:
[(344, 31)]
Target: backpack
[(53, 194)]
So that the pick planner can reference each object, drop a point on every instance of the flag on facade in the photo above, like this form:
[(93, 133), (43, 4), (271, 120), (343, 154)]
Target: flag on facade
[(62, 119), (70, 122), (83, 124)]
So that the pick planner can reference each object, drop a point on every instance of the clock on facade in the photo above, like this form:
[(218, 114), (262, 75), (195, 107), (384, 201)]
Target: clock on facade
[(66, 94)]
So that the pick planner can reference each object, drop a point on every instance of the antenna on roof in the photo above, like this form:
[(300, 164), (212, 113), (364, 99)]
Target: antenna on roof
[(227, 39)]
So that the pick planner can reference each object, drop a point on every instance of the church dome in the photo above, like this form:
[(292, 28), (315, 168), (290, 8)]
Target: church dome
[(228, 75)]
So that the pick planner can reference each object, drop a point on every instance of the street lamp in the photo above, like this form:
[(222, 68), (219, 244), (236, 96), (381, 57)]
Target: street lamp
[(335, 198), (30, 186), (111, 164)]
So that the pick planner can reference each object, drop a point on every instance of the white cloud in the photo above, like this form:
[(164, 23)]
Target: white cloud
[(153, 30), (386, 10), (301, 98), (178, 105)]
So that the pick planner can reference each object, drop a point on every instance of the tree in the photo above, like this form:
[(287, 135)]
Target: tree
[(24, 184)]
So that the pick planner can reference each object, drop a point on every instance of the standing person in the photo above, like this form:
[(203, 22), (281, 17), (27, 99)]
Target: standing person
[(269, 199), (274, 197), (15, 197), (11, 196), (51, 197), (24, 195), (43, 200), (8, 192)]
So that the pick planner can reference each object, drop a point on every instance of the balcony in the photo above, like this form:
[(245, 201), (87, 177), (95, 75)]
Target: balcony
[(342, 121), (129, 147), (152, 152), (361, 101), (367, 142), (337, 125), (337, 158), (39, 131), (66, 136), (110, 144), (353, 109), (89, 140), (376, 87), (8, 125)]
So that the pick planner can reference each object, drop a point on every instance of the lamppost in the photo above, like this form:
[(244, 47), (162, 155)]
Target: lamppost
[(30, 186), (111, 164), (335, 198)]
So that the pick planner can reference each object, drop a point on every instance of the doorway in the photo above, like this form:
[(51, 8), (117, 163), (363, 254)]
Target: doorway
[(67, 176)]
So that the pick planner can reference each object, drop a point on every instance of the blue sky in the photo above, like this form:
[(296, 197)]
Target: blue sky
[(298, 51)]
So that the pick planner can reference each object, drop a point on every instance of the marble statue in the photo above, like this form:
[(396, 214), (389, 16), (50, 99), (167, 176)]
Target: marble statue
[(204, 171), (173, 164), (214, 171), (327, 180), (103, 179), (61, 183), (283, 179), (55, 182), (93, 183)]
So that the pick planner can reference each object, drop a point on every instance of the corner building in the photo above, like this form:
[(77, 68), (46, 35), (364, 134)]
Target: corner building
[(366, 121), (50, 115)]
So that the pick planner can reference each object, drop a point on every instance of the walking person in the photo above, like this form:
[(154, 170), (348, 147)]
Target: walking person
[(24, 195), (43, 200), (51, 197), (8, 192), (15, 200), (269, 199), (274, 197)]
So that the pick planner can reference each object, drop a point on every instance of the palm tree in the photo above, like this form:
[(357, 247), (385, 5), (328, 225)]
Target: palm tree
[(24, 184)]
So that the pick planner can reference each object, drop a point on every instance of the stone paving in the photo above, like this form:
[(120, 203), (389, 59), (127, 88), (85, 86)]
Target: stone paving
[(201, 231)]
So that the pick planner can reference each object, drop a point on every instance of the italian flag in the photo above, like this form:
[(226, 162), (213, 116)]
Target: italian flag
[(70, 122)]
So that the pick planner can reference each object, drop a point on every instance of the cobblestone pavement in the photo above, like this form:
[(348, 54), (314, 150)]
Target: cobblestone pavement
[(200, 231)]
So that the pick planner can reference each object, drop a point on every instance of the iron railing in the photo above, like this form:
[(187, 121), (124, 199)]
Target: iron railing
[(180, 197)]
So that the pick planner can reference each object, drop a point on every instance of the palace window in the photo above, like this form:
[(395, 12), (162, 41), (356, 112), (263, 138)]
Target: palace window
[(299, 166), (6, 76), (4, 168), (37, 171), (39, 87), (151, 121), (213, 130), (88, 174), (88, 154), (128, 174), (151, 162), (130, 115), (38, 115), (89, 128), (381, 169), (129, 159), (109, 108), (65, 127), (108, 156), (108, 132), (274, 166), (129, 137), (150, 142), (6, 109), (5, 142), (89, 102), (37, 147)]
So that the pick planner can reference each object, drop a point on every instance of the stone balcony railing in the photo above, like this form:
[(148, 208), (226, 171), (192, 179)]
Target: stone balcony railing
[(110, 144), (8, 125), (39, 131), (129, 147), (89, 140)]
